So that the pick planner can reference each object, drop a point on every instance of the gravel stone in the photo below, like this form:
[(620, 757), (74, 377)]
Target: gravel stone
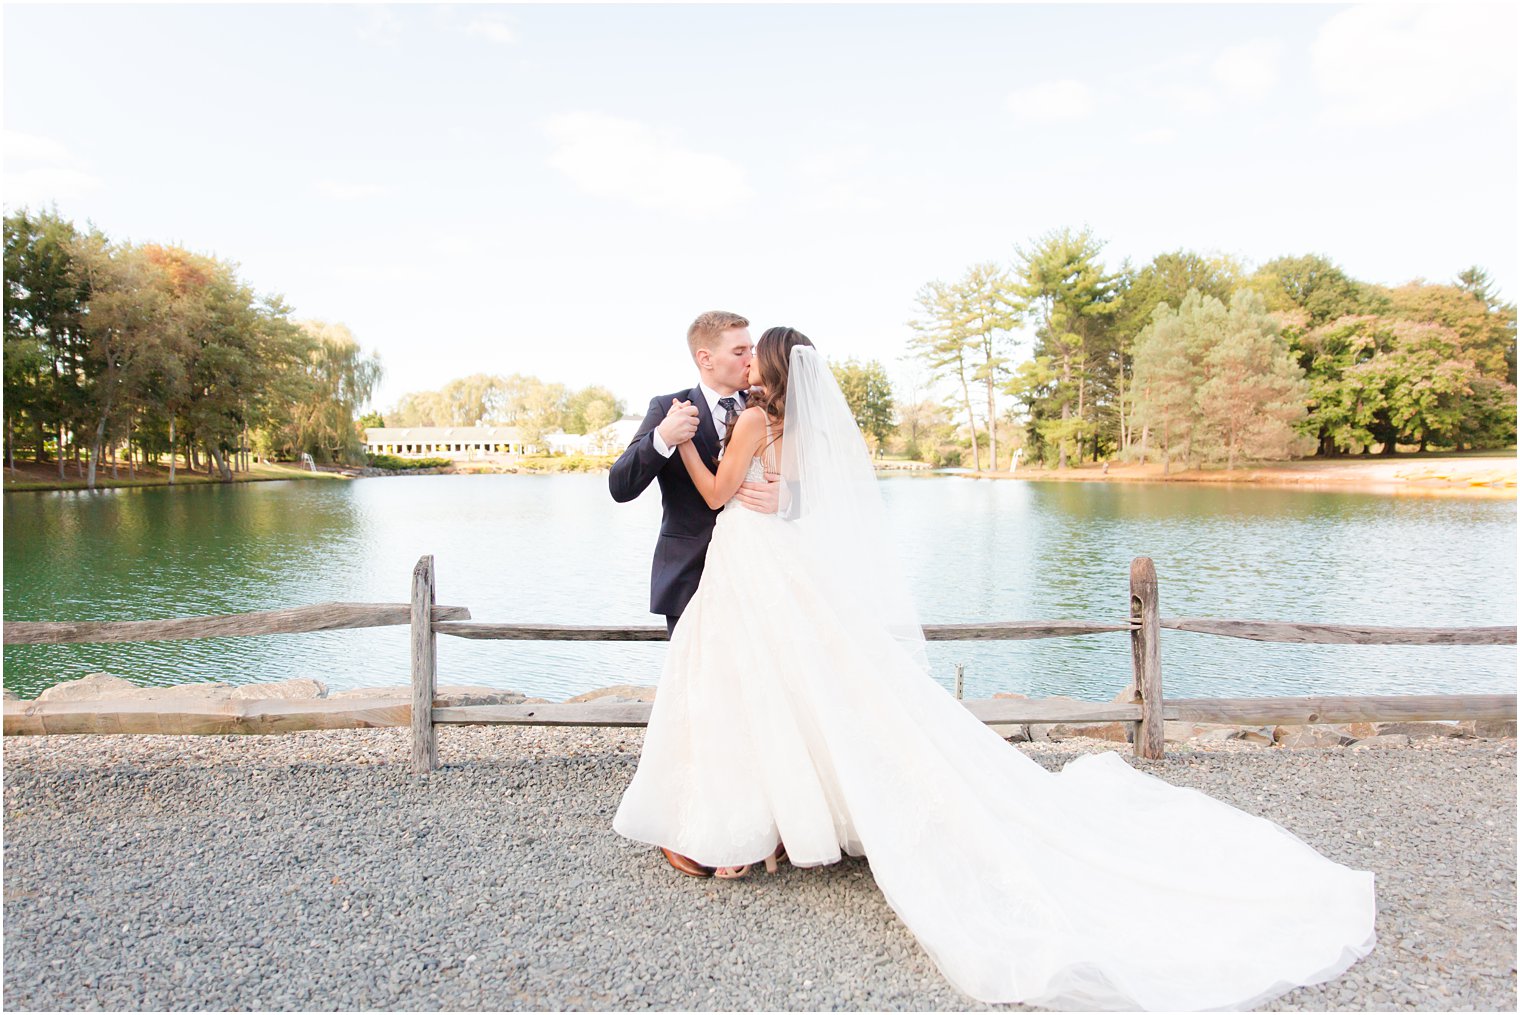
[(314, 871)]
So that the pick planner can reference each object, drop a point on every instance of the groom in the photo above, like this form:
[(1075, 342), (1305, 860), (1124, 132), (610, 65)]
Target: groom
[(721, 347)]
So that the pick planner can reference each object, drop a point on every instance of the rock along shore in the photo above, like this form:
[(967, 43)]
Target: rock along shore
[(1177, 734)]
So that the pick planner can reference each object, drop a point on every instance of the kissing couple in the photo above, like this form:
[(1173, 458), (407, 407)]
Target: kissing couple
[(797, 719)]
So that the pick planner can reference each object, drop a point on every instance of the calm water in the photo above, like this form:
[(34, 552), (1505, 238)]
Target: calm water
[(556, 549)]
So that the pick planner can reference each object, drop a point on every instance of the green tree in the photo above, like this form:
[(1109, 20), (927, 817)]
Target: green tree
[(869, 394), (126, 319), (591, 408), (987, 314), (1167, 278), (1406, 382), (1170, 368), (535, 407), (1485, 326), (1064, 289), (44, 314), (1315, 285), (340, 377), (1251, 403), (422, 408), (942, 343), (1035, 387)]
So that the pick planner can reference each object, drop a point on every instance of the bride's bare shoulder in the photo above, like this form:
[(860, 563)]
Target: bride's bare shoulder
[(752, 418)]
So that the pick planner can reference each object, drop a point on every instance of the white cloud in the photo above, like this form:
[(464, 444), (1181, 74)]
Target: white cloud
[(1250, 70), (631, 161), (41, 186), (1389, 63), (496, 31), (22, 147), (1190, 99), (1052, 101), (1156, 136), (41, 169), (380, 24), (838, 179), (340, 191)]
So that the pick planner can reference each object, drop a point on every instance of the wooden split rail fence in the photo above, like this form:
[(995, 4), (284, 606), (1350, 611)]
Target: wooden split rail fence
[(1147, 713)]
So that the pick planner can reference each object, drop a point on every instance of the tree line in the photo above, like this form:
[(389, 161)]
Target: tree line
[(1192, 358), (535, 407), (129, 352)]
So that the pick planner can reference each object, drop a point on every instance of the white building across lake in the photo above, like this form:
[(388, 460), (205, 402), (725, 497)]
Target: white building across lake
[(482, 442), (466, 442)]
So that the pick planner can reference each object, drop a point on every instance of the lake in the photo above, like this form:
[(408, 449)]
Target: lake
[(557, 549)]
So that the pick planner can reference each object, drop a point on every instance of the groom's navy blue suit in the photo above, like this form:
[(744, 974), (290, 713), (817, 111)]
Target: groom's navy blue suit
[(687, 525)]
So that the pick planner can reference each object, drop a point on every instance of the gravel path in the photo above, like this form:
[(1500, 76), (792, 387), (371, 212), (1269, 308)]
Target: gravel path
[(312, 871)]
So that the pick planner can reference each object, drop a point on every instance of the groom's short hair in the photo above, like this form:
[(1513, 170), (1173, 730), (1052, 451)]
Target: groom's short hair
[(704, 331)]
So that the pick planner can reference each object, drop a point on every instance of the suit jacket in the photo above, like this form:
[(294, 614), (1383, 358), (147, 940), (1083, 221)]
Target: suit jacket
[(687, 524)]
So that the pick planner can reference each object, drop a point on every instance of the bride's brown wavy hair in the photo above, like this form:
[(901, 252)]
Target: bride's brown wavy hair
[(774, 353)]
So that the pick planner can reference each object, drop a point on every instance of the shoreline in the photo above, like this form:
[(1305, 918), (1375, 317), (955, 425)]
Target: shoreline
[(1483, 476), (31, 479), (44, 479), (1487, 476)]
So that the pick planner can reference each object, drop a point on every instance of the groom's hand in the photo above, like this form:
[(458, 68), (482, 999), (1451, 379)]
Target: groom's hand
[(680, 423), (761, 497)]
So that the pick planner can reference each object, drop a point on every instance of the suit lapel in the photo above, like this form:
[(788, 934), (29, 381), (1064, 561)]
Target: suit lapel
[(707, 431)]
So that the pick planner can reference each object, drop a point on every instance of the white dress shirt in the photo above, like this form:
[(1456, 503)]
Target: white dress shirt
[(713, 410)]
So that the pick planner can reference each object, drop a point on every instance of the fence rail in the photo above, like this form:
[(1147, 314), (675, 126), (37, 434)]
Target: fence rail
[(1147, 711), (293, 620)]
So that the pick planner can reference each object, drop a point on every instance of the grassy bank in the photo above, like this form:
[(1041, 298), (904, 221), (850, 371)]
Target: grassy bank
[(31, 476)]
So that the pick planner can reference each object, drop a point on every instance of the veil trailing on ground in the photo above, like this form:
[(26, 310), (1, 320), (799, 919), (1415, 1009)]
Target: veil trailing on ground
[(832, 499)]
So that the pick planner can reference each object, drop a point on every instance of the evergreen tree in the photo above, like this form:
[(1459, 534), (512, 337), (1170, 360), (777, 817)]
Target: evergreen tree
[(1063, 288), (1252, 402)]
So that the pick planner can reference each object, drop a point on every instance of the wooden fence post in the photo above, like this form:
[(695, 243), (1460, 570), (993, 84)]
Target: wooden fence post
[(424, 668), (1145, 645)]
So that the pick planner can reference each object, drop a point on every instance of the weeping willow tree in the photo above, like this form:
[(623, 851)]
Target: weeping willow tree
[(336, 378)]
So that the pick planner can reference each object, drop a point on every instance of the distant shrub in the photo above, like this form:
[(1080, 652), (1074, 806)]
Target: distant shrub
[(566, 463), (944, 457), (393, 462)]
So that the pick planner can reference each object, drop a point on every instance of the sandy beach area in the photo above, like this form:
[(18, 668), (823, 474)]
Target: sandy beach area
[(1414, 475)]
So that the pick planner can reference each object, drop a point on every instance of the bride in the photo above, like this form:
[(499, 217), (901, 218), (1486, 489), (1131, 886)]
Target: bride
[(796, 707)]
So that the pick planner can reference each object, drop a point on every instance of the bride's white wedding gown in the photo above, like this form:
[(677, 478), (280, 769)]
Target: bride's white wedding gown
[(1098, 887)]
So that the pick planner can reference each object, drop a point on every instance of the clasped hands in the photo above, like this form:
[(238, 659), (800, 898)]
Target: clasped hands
[(680, 425)]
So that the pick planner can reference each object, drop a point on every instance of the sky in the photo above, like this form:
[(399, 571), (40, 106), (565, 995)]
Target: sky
[(558, 190)]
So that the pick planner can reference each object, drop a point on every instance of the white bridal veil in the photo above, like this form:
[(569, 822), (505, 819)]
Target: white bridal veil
[(833, 500)]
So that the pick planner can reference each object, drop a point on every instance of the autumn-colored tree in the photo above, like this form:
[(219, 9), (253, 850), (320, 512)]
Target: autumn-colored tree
[(127, 320)]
